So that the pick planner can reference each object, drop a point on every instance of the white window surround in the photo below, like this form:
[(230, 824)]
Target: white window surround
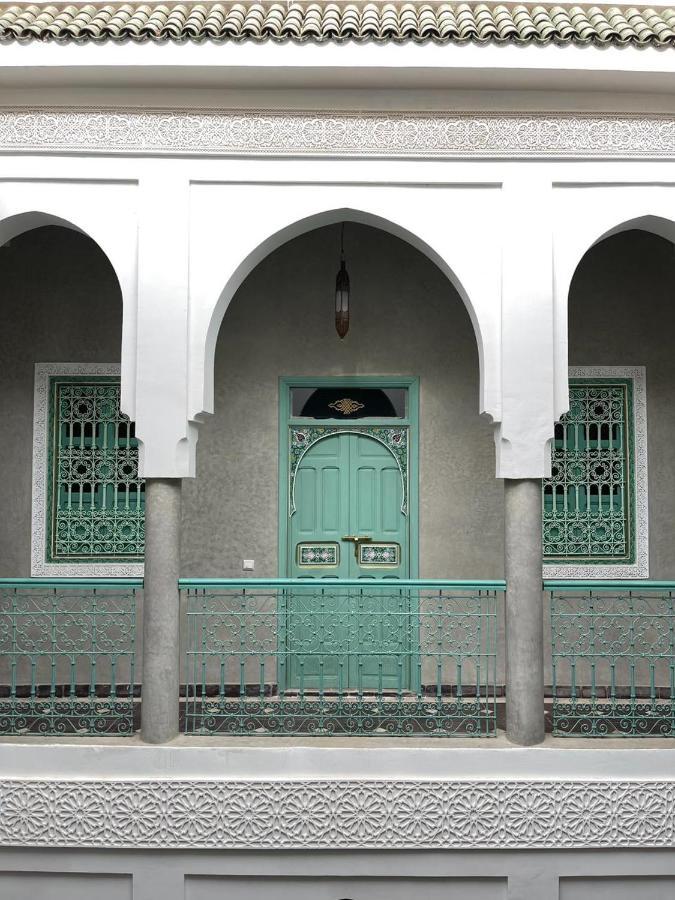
[(39, 567), (640, 568)]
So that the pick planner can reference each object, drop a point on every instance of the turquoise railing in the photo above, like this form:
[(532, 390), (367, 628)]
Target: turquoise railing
[(613, 657), (348, 657), (67, 656)]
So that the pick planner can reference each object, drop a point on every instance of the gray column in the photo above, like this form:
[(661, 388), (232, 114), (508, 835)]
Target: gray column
[(161, 674), (524, 612)]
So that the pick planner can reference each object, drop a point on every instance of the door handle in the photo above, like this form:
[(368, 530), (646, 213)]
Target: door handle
[(357, 539)]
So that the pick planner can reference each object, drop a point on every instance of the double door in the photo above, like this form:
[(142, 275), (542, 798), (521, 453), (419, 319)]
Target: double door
[(348, 524)]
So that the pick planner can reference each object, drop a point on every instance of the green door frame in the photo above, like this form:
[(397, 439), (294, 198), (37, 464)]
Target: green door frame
[(411, 422)]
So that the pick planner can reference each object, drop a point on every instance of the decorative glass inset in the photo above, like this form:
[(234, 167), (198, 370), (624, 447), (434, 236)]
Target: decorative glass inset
[(346, 406), (321, 554), (394, 439), (379, 554), (588, 506), (97, 500), (348, 402)]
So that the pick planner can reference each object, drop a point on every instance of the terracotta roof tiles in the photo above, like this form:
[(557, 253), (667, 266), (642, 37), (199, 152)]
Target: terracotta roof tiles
[(442, 23)]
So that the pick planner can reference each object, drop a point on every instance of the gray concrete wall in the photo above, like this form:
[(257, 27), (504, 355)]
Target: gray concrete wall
[(406, 319), (622, 313), (59, 302)]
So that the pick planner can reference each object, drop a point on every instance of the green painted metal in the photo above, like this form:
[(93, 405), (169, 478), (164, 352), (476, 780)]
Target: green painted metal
[(96, 499), (73, 582), (613, 650), (347, 484), (588, 504), (238, 659), (622, 584), (186, 583), (68, 656), (410, 423)]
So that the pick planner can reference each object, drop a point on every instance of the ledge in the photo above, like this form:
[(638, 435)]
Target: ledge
[(278, 796)]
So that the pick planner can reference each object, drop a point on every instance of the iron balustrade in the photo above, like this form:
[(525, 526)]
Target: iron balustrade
[(343, 657), (613, 648), (67, 656)]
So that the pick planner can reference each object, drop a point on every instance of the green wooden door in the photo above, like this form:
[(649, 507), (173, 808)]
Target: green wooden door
[(348, 486)]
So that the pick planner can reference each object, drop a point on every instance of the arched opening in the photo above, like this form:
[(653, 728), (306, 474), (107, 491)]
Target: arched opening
[(407, 319), (609, 506), (292, 483), (73, 503), (61, 305), (203, 400), (620, 308)]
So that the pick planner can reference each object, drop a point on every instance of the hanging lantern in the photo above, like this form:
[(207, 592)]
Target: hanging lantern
[(342, 292)]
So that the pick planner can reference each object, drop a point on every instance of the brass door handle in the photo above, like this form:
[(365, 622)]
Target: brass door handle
[(357, 539)]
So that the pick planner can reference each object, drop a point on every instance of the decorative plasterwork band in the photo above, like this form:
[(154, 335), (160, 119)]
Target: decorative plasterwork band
[(300, 133), (337, 814), (303, 437), (640, 568), (38, 564)]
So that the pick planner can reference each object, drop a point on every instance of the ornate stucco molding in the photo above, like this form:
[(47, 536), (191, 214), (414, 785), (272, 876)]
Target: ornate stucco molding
[(351, 134), (39, 567), (171, 814)]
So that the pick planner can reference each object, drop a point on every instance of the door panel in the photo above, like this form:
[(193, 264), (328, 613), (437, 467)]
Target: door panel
[(348, 485)]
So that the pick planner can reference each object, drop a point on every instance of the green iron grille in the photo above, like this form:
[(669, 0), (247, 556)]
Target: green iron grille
[(588, 501), (304, 657), (613, 649), (97, 499), (67, 657)]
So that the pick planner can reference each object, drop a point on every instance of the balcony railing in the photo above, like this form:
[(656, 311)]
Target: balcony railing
[(353, 657), (613, 646), (67, 656)]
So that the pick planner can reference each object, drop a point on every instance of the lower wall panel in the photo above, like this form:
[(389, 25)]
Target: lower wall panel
[(64, 874), (65, 886), (284, 888), (617, 888)]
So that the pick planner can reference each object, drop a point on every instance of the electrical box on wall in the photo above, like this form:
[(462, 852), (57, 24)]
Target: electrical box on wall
[(248, 565)]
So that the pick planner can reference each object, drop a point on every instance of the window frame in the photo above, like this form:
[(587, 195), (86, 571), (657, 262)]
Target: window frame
[(639, 497), (42, 474)]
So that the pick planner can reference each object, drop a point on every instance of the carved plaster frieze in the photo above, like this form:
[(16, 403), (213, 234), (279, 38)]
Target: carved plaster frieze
[(337, 814), (299, 133)]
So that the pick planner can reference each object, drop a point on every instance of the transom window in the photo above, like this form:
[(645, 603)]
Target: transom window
[(589, 506), (96, 499), (348, 403)]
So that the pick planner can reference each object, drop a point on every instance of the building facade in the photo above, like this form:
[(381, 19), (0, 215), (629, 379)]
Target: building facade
[(336, 384)]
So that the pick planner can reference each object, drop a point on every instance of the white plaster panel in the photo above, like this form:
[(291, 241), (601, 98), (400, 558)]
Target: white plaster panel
[(583, 215), (167, 439), (326, 888), (64, 886), (104, 210), (456, 227), (617, 888)]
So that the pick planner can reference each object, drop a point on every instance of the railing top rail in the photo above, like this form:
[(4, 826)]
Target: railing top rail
[(626, 585), (70, 582), (190, 583)]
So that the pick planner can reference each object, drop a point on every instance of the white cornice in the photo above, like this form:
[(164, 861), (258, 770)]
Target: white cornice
[(212, 132)]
